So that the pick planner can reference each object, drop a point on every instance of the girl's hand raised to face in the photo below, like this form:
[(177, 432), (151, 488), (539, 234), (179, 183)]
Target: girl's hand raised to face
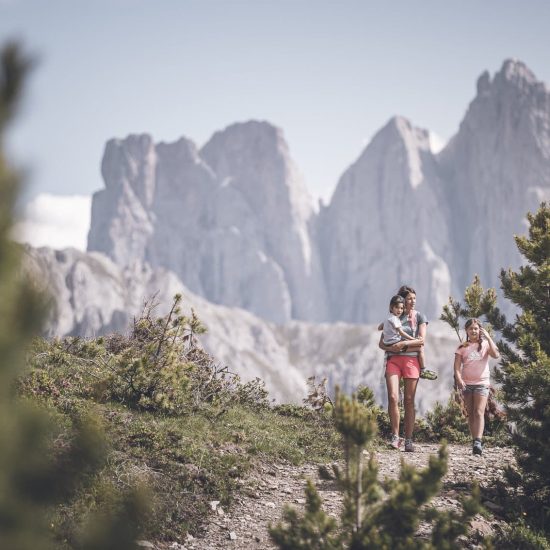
[(484, 333)]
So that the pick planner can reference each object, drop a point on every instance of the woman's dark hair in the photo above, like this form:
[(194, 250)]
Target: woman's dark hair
[(405, 290), (468, 324), (397, 299)]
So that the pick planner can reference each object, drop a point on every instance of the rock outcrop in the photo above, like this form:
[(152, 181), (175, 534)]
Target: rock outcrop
[(93, 296), (495, 170), (232, 220), (386, 226)]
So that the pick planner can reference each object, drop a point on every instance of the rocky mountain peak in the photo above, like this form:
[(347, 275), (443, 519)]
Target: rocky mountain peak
[(517, 73), (247, 153), (514, 76), (245, 145), (127, 159), (405, 130), (183, 148), (400, 144), (235, 221), (499, 162)]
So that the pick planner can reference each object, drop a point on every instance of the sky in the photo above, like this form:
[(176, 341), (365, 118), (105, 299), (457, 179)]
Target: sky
[(329, 73)]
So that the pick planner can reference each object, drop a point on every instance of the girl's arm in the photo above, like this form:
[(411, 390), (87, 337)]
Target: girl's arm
[(396, 348), (408, 345), (419, 340), (404, 335), (458, 375), (493, 350)]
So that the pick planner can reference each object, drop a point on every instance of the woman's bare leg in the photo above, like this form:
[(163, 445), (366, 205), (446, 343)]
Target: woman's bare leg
[(410, 413), (392, 384)]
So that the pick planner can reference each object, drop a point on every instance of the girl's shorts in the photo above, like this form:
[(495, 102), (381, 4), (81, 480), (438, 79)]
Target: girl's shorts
[(476, 388), (403, 365)]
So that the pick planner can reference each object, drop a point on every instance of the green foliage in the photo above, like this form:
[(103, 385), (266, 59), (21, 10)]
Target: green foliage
[(375, 514), (519, 536), (157, 367), (525, 365), (524, 371), (315, 529), (365, 396), (42, 462), (478, 303), (447, 422), (150, 371), (185, 456)]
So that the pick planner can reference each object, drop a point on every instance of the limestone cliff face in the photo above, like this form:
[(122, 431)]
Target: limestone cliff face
[(233, 220), (235, 223), (496, 169), (402, 214), (93, 296), (385, 226), (253, 162), (121, 213)]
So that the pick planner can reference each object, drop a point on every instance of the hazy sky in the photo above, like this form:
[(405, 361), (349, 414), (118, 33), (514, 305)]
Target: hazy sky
[(330, 74)]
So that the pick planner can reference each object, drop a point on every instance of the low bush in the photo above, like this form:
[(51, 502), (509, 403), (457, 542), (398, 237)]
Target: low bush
[(170, 450), (375, 514)]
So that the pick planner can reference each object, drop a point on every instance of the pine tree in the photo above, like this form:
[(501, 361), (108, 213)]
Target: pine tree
[(525, 363), (375, 515), (36, 471), (524, 370)]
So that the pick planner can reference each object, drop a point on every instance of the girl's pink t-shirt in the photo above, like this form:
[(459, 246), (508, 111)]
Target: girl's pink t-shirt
[(475, 364)]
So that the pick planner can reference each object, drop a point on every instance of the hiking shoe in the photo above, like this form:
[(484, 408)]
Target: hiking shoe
[(427, 374), (409, 446), (394, 441), (477, 447)]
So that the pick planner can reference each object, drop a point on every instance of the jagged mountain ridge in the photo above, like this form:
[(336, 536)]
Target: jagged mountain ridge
[(212, 222), (235, 222), (232, 223)]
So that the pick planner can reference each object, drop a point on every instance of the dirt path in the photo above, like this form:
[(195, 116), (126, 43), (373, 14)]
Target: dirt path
[(245, 525)]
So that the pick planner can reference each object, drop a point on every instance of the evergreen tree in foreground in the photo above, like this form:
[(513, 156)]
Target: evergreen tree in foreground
[(524, 371), (375, 515), (525, 364), (38, 468)]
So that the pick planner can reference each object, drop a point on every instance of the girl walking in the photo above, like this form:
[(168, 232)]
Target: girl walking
[(471, 368)]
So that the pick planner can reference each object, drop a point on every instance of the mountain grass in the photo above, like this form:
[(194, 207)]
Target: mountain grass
[(175, 428), (176, 458)]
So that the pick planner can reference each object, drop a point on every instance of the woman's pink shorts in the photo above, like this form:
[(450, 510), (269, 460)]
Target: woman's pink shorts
[(404, 366)]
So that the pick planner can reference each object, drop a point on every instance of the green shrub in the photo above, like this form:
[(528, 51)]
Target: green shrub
[(158, 367), (45, 458), (519, 536), (524, 370), (447, 422), (151, 371), (375, 514)]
